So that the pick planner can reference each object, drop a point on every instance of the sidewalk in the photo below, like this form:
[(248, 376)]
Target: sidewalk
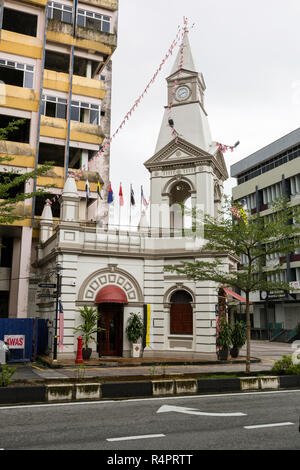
[(263, 356)]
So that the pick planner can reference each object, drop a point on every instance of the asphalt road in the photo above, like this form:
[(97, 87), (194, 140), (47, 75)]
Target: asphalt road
[(247, 421)]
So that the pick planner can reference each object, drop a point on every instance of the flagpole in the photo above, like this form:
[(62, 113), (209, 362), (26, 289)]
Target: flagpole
[(120, 211), (130, 208)]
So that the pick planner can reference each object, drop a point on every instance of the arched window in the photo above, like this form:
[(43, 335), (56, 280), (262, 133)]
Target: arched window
[(181, 313)]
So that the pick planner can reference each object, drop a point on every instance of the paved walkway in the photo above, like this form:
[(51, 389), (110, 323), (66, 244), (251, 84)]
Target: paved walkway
[(266, 351)]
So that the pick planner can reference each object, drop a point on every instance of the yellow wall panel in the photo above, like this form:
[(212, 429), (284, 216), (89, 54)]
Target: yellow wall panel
[(20, 44)]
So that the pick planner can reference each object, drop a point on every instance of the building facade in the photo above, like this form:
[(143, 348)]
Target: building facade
[(55, 75), (121, 272), (267, 174)]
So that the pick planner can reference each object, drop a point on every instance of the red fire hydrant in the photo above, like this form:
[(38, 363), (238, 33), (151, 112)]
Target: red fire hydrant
[(79, 358)]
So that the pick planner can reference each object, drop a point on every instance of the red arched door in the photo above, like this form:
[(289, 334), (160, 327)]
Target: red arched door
[(110, 339)]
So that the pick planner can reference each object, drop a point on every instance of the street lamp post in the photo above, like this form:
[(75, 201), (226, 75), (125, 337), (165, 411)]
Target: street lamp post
[(58, 268)]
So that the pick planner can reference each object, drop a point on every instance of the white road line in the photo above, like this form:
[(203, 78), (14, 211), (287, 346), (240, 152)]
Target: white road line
[(267, 425), (131, 438)]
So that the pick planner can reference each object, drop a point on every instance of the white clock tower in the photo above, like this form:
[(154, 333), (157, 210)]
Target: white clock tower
[(187, 167)]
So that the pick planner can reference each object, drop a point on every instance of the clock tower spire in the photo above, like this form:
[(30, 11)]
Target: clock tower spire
[(185, 107)]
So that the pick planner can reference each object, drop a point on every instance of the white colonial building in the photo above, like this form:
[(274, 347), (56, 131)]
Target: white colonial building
[(120, 272)]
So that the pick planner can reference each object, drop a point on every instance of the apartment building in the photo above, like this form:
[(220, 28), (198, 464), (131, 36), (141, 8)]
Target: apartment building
[(267, 174), (55, 74)]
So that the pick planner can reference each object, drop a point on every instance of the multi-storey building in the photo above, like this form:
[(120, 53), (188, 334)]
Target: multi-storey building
[(55, 74), (262, 177)]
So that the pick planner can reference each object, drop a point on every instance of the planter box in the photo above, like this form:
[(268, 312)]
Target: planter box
[(87, 391), (26, 394), (163, 387)]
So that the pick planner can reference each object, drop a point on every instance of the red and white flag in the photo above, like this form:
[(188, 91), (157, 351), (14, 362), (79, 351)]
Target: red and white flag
[(121, 198)]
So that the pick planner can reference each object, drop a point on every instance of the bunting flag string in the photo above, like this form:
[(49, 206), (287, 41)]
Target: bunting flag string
[(138, 100), (224, 148)]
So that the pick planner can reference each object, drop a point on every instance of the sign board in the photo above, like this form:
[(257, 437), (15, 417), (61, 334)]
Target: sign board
[(15, 341), (295, 285)]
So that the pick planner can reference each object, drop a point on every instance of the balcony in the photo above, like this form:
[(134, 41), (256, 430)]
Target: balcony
[(79, 131), (98, 41), (20, 44), (23, 211), (57, 176), (19, 98), (81, 85), (107, 4), (21, 154), (40, 3)]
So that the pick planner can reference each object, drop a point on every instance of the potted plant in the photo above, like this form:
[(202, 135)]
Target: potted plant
[(224, 339), (88, 328), (135, 331), (238, 337)]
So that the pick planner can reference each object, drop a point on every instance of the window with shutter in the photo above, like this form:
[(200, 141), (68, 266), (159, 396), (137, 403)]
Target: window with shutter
[(181, 313)]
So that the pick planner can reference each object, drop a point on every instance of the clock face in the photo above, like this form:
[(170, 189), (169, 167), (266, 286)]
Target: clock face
[(263, 295), (182, 93)]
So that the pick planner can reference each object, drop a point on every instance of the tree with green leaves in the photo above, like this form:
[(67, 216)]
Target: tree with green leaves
[(12, 182), (251, 238)]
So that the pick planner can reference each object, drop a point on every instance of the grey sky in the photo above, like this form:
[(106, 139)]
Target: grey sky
[(249, 55)]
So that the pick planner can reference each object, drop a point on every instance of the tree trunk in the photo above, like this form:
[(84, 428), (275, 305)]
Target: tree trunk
[(248, 330)]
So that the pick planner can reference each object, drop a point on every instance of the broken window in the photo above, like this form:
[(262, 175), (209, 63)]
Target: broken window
[(52, 153), (53, 106), (19, 22), (81, 66), (60, 12), (57, 61), (17, 74), (92, 20), (16, 188), (18, 134)]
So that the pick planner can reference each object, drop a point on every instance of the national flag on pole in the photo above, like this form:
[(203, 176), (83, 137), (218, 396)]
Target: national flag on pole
[(99, 189), (110, 197), (61, 326), (87, 189), (121, 198), (132, 200), (143, 199)]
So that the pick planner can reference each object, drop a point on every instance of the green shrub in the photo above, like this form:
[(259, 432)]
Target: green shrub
[(284, 366), (6, 373)]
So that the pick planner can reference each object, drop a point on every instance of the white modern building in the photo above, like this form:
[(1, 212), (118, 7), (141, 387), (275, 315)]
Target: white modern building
[(120, 272), (263, 176)]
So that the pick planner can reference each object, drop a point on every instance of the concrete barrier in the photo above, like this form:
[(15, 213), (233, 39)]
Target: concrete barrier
[(88, 391), (186, 386), (269, 383), (163, 387), (249, 383), (59, 392)]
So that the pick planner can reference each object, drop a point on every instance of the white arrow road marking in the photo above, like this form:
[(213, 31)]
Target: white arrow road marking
[(194, 411), (130, 438), (267, 425)]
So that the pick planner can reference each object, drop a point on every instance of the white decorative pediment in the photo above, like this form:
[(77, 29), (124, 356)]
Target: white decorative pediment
[(104, 277)]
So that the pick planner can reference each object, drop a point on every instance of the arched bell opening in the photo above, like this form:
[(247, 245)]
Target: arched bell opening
[(180, 208)]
